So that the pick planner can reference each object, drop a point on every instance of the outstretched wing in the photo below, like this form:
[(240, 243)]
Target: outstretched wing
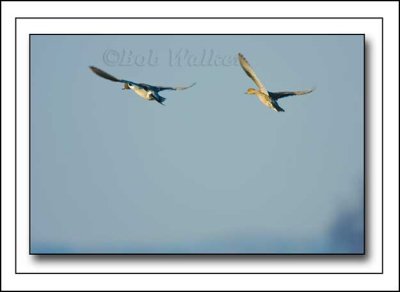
[(282, 94), (103, 74), (160, 88), (250, 72), (107, 76)]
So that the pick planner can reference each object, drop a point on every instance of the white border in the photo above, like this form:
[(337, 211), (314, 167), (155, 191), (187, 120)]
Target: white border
[(26, 26), (372, 27), (25, 263)]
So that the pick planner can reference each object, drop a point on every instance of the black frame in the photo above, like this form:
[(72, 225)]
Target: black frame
[(210, 255)]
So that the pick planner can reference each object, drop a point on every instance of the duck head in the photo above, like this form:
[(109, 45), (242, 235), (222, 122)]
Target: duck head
[(126, 86), (251, 91)]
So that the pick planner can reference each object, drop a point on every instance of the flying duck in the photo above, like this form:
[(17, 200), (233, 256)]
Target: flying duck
[(148, 92), (266, 97)]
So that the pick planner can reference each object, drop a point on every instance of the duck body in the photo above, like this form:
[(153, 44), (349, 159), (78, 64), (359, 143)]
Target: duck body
[(268, 101), (146, 94)]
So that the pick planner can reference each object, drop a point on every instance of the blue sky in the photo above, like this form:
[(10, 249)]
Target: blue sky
[(213, 171)]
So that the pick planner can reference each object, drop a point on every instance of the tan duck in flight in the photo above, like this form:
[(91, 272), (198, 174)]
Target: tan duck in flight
[(266, 97)]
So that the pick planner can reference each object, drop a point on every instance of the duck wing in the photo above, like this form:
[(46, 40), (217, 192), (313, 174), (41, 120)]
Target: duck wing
[(107, 76), (250, 72), (160, 88), (282, 94), (104, 74)]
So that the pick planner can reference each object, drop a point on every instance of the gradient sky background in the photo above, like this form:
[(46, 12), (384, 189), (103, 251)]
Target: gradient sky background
[(213, 171)]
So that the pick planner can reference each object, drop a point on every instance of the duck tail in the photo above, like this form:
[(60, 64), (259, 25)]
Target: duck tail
[(158, 98), (161, 100), (278, 108)]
